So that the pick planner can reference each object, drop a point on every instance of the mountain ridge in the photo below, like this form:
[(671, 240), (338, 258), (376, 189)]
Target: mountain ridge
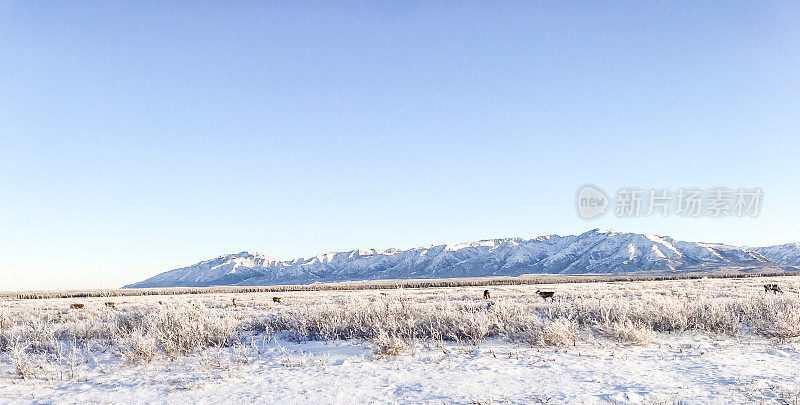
[(595, 251)]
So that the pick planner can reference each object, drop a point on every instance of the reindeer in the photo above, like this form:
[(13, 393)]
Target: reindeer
[(276, 299), (486, 295), (546, 294), (112, 305), (774, 288), (76, 306)]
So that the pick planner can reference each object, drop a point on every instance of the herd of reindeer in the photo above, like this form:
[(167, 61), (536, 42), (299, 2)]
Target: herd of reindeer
[(768, 288)]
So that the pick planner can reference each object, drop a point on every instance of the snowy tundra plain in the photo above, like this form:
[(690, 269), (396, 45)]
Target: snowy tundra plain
[(653, 342)]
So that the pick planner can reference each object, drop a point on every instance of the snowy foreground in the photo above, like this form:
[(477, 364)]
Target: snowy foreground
[(706, 343), (680, 369)]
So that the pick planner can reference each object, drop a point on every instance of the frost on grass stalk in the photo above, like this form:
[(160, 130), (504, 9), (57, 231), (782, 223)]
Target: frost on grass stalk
[(628, 331), (18, 354), (774, 316), (177, 330), (390, 344)]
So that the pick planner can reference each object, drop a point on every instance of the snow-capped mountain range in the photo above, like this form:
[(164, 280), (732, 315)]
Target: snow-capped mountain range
[(596, 251)]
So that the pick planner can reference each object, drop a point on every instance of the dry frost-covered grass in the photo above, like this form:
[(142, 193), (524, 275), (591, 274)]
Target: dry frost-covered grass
[(46, 339)]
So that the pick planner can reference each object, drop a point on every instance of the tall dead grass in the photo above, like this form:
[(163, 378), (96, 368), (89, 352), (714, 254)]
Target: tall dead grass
[(34, 338)]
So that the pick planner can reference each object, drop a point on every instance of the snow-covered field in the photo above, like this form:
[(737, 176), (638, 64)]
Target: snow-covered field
[(686, 341)]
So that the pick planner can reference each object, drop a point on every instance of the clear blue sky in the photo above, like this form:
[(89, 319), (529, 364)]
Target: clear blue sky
[(136, 137)]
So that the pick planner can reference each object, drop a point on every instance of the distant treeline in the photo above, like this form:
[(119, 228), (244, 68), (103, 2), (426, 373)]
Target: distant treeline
[(411, 283)]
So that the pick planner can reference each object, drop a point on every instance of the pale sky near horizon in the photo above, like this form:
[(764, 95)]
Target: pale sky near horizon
[(137, 137)]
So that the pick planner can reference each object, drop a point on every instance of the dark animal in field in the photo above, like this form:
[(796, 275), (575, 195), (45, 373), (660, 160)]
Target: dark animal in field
[(75, 306), (276, 299), (546, 294), (486, 295), (111, 305), (774, 288)]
